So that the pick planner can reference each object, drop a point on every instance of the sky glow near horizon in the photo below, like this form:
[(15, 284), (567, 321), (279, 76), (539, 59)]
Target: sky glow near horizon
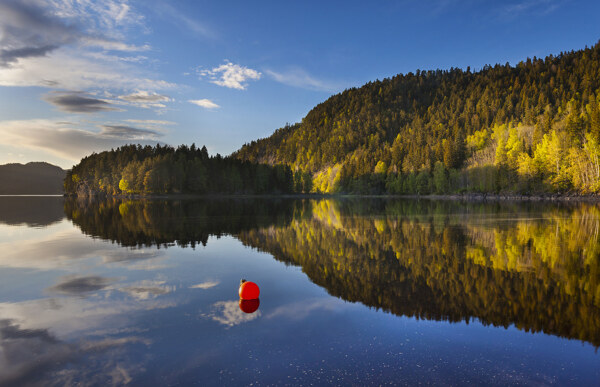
[(84, 76)]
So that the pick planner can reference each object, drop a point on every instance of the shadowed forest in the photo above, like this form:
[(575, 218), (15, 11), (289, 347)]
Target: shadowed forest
[(133, 169)]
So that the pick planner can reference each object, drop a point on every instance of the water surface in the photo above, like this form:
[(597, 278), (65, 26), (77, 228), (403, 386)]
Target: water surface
[(362, 292)]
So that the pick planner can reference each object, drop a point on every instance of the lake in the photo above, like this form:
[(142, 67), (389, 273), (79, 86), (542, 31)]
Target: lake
[(353, 292)]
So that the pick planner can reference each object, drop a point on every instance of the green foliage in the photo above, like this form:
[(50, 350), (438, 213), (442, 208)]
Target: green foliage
[(503, 121), (147, 170), (440, 181)]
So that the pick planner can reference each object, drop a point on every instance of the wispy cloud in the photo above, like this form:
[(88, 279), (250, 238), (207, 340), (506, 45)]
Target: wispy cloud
[(514, 9), (297, 77), (230, 75), (123, 132), (69, 141), (73, 70), (78, 103), (107, 44), (151, 122), (182, 20), (146, 99), (205, 103)]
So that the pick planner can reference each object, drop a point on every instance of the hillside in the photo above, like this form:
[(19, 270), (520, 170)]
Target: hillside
[(533, 127), (37, 178)]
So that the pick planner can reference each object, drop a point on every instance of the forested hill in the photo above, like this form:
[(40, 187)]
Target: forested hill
[(134, 169), (31, 179), (529, 128)]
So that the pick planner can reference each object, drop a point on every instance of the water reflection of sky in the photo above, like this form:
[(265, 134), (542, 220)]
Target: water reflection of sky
[(74, 309)]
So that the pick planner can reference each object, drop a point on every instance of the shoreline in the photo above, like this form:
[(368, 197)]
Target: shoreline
[(468, 197)]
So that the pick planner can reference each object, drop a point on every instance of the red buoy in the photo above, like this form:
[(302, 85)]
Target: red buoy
[(248, 290), (249, 306)]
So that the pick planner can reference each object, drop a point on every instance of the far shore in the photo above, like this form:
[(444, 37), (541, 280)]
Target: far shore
[(469, 197)]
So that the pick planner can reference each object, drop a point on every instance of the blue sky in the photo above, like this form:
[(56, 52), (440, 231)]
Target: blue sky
[(78, 76)]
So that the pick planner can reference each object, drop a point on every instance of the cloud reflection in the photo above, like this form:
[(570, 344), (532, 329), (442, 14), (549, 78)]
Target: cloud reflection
[(60, 249), (29, 355), (205, 285), (302, 309), (79, 286), (228, 313), (148, 289)]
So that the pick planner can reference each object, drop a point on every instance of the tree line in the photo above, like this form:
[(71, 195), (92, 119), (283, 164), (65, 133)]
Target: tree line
[(136, 169), (532, 127)]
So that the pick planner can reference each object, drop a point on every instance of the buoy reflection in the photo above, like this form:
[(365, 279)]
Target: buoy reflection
[(249, 306)]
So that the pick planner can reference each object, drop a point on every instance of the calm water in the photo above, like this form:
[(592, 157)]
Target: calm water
[(361, 292)]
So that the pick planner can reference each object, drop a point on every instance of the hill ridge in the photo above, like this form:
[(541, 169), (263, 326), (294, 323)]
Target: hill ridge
[(32, 178)]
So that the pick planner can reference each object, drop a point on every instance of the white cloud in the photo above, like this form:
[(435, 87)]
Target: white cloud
[(36, 28), (297, 77), (205, 103), (105, 17), (230, 75)]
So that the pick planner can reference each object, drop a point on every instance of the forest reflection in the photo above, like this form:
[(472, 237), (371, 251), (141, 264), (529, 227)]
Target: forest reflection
[(534, 266)]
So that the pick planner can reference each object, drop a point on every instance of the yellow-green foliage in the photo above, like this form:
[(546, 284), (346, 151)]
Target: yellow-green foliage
[(478, 140), (326, 181), (527, 125)]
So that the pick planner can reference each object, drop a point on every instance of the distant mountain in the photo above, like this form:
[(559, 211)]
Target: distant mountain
[(37, 178)]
